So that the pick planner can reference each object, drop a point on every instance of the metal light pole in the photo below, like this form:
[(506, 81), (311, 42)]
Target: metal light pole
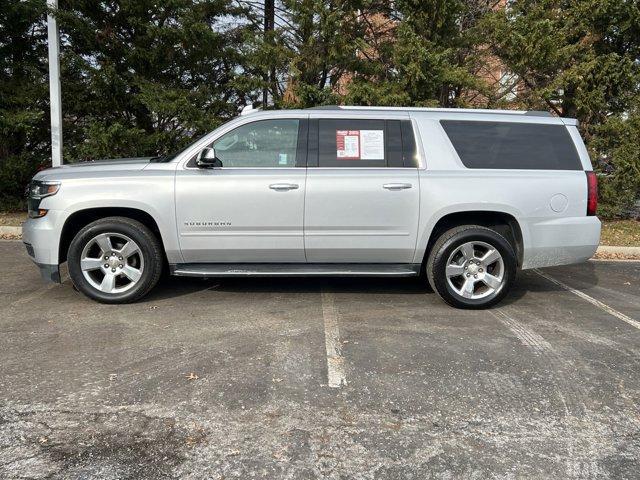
[(269, 23), (55, 94)]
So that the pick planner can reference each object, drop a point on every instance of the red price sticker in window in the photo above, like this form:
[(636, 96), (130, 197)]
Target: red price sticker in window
[(348, 144)]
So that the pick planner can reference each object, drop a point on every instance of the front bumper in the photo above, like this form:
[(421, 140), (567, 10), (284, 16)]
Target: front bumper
[(41, 238), (49, 273)]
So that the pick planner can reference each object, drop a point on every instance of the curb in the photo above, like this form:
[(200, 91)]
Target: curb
[(4, 230), (606, 249)]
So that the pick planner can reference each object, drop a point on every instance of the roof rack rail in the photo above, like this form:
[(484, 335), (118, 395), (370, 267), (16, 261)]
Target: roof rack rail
[(538, 113), (530, 113), (324, 107)]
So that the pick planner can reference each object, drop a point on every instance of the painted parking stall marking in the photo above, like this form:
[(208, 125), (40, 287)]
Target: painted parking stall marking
[(591, 300), (335, 361)]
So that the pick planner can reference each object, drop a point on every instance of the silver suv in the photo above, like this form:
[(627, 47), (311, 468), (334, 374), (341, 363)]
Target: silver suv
[(463, 197)]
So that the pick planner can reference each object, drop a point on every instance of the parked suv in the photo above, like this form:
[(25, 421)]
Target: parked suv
[(465, 197)]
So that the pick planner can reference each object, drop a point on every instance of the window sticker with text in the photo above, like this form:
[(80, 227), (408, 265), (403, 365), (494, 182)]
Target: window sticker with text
[(360, 144), (372, 144), (348, 144)]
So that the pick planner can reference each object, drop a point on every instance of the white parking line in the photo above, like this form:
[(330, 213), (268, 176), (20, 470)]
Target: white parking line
[(335, 361), (591, 300)]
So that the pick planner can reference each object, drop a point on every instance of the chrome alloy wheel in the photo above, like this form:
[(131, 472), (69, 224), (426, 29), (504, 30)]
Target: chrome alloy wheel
[(112, 262), (475, 270)]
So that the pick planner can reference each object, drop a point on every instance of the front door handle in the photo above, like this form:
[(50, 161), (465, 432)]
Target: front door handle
[(397, 186), (283, 186)]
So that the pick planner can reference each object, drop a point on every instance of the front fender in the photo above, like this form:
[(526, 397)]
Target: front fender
[(150, 195)]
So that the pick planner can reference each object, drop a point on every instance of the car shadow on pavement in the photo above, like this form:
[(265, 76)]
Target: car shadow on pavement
[(526, 282), (172, 287)]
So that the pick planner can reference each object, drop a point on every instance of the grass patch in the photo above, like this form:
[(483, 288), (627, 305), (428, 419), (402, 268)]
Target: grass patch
[(625, 233)]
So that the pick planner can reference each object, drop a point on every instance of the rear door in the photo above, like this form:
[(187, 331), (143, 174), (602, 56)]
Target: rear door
[(362, 191)]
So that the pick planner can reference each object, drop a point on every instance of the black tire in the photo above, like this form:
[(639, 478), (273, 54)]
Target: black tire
[(446, 245), (150, 250)]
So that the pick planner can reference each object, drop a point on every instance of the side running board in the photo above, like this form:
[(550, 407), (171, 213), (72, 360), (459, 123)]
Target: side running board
[(295, 270)]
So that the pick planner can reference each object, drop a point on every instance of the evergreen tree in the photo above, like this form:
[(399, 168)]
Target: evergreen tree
[(142, 77), (427, 58), (313, 46), (581, 58), (24, 96)]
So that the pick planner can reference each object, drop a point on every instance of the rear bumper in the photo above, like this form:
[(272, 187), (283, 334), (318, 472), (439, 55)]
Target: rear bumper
[(561, 241)]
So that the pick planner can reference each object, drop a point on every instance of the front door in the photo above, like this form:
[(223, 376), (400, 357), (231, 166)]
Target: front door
[(251, 208), (362, 201)]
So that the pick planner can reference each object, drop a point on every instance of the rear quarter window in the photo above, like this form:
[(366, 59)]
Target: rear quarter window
[(509, 145)]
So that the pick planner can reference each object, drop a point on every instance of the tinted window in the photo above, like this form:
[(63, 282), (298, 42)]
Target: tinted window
[(354, 143), (265, 143), (507, 145), (394, 143), (409, 148)]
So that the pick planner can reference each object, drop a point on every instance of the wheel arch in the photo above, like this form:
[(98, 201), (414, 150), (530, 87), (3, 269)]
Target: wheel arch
[(81, 218), (500, 221)]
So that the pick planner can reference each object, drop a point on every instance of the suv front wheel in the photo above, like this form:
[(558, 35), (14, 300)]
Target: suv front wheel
[(115, 260), (471, 267)]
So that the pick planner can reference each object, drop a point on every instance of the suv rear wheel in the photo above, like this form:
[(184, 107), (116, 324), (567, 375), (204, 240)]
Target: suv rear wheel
[(115, 260), (471, 267)]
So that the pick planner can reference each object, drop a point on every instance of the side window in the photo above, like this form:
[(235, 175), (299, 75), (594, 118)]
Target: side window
[(409, 147), (264, 143), (353, 143), (511, 145)]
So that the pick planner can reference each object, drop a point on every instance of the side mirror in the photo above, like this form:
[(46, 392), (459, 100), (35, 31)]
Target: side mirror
[(207, 159)]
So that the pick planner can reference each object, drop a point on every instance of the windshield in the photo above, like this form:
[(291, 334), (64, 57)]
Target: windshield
[(171, 156)]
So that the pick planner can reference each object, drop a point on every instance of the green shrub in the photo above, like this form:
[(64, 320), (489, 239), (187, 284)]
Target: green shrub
[(15, 173)]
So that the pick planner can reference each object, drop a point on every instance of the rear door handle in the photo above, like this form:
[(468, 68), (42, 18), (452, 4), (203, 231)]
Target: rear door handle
[(397, 186), (283, 186)]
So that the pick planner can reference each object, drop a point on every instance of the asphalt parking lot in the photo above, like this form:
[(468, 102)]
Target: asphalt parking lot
[(308, 378)]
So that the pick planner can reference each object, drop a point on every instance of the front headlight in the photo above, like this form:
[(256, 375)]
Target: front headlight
[(39, 189)]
